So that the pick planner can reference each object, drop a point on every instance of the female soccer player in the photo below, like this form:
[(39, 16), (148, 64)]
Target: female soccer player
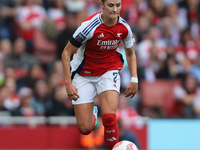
[(95, 69)]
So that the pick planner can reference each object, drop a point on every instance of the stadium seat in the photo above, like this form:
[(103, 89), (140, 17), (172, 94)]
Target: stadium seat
[(159, 94), (45, 49)]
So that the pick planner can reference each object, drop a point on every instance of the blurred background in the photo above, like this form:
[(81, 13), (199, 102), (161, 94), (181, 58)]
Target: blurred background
[(35, 112)]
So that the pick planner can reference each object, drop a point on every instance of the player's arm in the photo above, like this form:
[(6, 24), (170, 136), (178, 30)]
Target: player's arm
[(79, 38), (68, 51), (132, 88)]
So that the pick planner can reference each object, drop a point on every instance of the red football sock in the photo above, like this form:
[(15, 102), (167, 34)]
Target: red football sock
[(86, 133), (111, 130)]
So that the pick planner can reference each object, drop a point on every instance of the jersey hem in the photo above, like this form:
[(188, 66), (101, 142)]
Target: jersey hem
[(109, 89), (77, 103)]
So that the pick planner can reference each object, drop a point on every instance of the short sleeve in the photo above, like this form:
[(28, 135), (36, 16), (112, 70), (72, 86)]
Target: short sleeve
[(85, 30), (129, 40), (79, 36)]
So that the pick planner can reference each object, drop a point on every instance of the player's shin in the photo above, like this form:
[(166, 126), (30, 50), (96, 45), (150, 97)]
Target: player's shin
[(111, 130)]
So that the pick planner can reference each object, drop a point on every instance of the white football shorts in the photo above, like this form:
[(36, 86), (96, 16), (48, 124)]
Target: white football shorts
[(89, 86)]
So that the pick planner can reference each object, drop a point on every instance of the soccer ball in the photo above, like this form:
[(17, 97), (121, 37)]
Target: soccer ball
[(125, 145)]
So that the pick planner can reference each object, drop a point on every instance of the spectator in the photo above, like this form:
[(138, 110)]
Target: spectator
[(187, 50), (54, 80), (169, 32), (12, 100), (159, 9), (152, 54), (129, 12), (25, 109), (34, 73), (57, 15), (19, 59), (141, 28), (195, 69), (142, 6), (61, 104), (56, 68), (126, 113), (3, 96), (186, 94), (5, 48), (178, 17), (171, 68), (66, 34), (40, 98), (77, 7), (7, 13), (9, 72), (193, 15), (150, 15), (94, 7), (28, 17)]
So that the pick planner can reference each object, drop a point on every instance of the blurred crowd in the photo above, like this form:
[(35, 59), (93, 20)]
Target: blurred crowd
[(33, 34)]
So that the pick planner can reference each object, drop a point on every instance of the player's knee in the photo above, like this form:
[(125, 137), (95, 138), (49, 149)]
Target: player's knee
[(109, 119), (85, 129)]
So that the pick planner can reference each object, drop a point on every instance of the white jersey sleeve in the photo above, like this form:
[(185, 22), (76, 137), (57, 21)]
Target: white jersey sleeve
[(85, 30), (129, 40)]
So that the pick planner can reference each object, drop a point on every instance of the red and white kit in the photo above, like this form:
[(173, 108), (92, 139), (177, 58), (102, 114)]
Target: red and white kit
[(98, 56), (98, 51)]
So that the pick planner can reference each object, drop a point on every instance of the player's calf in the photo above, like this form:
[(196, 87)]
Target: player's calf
[(111, 130)]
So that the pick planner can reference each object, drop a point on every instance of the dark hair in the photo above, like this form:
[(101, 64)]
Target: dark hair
[(103, 1)]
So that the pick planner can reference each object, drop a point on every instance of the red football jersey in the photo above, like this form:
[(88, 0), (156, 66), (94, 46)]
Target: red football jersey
[(98, 45)]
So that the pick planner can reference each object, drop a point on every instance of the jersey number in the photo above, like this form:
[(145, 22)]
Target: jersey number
[(115, 76)]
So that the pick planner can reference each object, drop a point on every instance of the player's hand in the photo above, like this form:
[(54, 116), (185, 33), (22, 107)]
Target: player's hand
[(131, 89), (72, 92)]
